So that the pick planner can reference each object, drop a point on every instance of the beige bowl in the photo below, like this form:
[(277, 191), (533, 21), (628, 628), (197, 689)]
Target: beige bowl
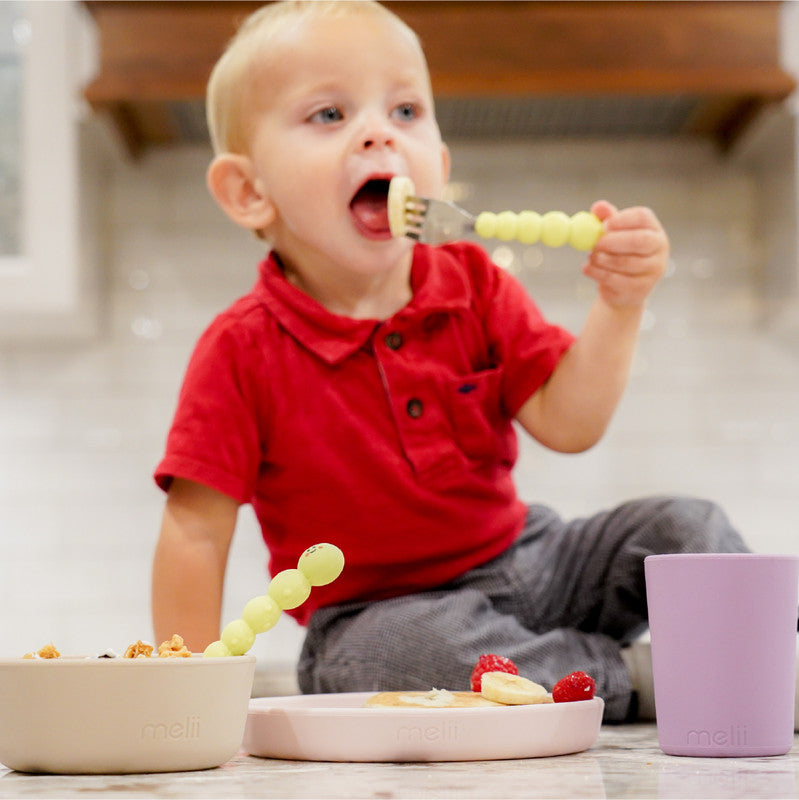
[(98, 715)]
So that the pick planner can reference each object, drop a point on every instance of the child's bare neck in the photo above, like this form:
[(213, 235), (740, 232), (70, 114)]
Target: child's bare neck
[(356, 296)]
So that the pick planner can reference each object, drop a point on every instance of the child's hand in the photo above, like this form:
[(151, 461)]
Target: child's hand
[(630, 257)]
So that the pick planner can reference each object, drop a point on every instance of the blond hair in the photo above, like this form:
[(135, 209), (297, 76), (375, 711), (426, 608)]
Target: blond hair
[(225, 95)]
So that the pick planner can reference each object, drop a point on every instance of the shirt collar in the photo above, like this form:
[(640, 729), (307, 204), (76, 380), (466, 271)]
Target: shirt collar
[(437, 279)]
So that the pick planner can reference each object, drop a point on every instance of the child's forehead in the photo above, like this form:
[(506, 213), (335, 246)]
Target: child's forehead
[(334, 29), (312, 43)]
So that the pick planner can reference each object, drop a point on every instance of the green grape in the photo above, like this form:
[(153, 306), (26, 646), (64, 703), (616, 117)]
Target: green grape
[(555, 228), (528, 230), (485, 225), (261, 613), (321, 564), (585, 229), (289, 588), (216, 649), (507, 223), (238, 636)]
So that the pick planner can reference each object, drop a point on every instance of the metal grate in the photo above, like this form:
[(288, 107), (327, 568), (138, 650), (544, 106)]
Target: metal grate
[(557, 116), (529, 117), (189, 119)]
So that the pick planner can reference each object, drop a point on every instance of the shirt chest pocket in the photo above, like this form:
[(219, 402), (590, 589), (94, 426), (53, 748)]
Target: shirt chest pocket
[(480, 428)]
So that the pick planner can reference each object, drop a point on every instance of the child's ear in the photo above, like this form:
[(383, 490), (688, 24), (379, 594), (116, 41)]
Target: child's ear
[(445, 164), (233, 185)]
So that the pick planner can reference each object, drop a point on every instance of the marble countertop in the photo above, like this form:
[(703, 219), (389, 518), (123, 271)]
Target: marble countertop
[(625, 762)]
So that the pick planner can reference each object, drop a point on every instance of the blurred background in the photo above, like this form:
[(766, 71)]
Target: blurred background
[(113, 259)]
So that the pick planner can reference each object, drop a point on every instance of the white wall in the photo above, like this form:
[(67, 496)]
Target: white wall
[(710, 410)]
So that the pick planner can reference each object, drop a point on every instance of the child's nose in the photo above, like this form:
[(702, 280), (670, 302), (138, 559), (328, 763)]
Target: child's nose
[(376, 133), (378, 141)]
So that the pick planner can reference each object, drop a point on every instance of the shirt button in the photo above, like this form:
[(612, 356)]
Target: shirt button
[(414, 408), (393, 341)]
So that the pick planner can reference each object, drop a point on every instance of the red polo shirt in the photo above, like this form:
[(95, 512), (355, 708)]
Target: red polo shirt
[(391, 439)]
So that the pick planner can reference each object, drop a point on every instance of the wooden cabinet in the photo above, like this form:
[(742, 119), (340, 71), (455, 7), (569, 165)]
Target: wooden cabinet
[(722, 56)]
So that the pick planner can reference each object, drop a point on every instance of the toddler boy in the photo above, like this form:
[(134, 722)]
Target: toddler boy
[(364, 391)]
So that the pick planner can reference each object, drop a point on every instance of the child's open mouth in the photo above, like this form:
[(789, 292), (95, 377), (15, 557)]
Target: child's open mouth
[(369, 209)]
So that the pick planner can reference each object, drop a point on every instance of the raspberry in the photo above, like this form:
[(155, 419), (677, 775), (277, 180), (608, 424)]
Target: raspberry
[(577, 686), (488, 662)]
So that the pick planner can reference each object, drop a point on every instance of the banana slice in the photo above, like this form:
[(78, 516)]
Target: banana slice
[(512, 690), (399, 190)]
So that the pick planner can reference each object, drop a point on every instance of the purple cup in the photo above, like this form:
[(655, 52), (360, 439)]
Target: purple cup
[(723, 629)]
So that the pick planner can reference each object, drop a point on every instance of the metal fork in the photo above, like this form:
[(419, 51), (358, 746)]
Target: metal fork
[(433, 221), (436, 221)]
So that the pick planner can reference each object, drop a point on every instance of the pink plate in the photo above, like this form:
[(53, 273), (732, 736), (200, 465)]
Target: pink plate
[(336, 727)]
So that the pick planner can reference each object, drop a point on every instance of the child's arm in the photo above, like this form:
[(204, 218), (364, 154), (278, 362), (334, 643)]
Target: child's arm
[(571, 411), (189, 564)]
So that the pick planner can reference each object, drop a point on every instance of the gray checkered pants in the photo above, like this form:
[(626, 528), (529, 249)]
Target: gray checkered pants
[(566, 596)]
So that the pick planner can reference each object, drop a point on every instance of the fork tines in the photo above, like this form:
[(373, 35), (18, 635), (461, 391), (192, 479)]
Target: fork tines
[(433, 221), (415, 214)]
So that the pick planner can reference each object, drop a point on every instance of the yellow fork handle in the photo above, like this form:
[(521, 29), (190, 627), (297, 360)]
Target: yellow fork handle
[(553, 229)]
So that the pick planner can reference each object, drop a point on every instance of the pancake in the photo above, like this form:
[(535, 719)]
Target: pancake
[(436, 698)]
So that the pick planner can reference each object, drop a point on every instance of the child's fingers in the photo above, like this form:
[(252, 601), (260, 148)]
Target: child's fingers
[(631, 231), (624, 279), (603, 209), (631, 242), (620, 289), (634, 217), (625, 265), (630, 256)]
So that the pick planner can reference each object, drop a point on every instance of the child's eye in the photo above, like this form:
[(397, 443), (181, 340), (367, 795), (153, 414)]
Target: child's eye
[(327, 115), (405, 112)]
